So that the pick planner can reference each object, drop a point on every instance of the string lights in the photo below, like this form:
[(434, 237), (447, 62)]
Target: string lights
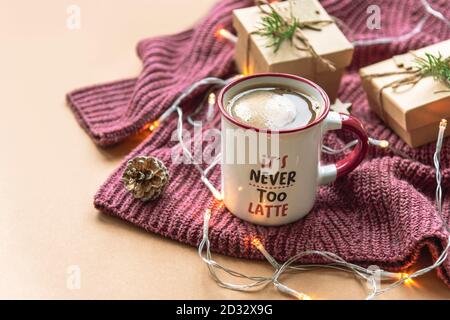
[(374, 277), (153, 126), (333, 261)]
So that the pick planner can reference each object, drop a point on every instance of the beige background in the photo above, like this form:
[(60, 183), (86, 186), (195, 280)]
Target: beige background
[(49, 169)]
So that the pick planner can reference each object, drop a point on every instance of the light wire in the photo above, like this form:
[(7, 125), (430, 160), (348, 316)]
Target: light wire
[(289, 266)]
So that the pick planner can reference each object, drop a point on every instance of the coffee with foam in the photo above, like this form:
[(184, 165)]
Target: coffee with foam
[(273, 108)]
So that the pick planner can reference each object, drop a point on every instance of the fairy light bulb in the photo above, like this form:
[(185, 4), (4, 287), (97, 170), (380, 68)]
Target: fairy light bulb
[(405, 276), (218, 203), (303, 296), (379, 143), (300, 296), (153, 125), (442, 127), (291, 292), (208, 213), (257, 243), (212, 98), (225, 34), (384, 144), (150, 127)]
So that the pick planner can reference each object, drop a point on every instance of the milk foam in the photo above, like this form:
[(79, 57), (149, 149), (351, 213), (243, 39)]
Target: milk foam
[(273, 108)]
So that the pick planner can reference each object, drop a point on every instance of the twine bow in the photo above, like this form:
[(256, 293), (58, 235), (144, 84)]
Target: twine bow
[(293, 31), (435, 66)]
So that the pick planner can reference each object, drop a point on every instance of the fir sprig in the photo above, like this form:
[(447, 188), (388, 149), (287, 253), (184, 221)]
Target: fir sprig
[(276, 29), (437, 67)]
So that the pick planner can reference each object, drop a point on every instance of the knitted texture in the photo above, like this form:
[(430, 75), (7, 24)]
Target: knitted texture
[(382, 213), (113, 111)]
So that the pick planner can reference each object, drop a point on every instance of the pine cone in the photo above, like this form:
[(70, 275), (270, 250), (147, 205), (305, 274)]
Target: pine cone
[(145, 177)]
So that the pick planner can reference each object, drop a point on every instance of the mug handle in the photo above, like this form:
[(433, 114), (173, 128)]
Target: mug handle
[(335, 121)]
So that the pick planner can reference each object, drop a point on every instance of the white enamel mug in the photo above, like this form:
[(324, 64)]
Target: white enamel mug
[(273, 179)]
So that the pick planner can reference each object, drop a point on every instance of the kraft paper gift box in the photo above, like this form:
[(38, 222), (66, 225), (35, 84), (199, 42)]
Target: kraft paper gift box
[(412, 111), (254, 56)]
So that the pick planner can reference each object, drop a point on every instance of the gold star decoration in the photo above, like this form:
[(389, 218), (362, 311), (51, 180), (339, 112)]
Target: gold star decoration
[(341, 107)]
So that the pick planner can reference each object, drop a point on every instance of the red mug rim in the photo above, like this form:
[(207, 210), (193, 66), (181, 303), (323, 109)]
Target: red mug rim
[(275, 75)]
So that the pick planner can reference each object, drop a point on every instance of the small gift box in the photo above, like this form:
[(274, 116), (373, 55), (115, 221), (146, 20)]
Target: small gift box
[(412, 103), (322, 42)]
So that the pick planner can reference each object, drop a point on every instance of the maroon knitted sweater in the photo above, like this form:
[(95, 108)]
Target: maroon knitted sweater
[(383, 213)]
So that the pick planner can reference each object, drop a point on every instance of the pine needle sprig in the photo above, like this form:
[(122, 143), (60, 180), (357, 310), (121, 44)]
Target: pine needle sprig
[(437, 67), (276, 29)]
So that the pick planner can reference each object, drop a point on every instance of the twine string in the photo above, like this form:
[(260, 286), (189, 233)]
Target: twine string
[(300, 41), (412, 76)]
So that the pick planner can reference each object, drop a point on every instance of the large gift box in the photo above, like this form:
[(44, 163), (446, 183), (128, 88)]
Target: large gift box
[(253, 55), (413, 111)]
